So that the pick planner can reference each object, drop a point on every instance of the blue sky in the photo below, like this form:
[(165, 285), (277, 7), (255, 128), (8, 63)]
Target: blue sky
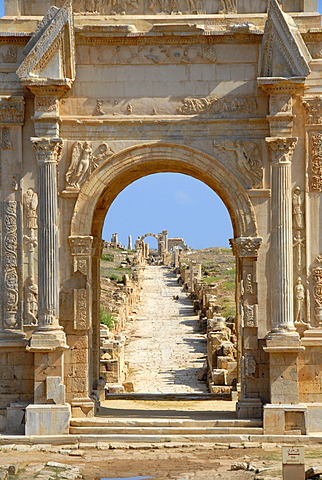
[(180, 204)]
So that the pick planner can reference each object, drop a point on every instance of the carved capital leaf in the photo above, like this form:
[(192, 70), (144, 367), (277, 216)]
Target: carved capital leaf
[(246, 246), (281, 149), (47, 149)]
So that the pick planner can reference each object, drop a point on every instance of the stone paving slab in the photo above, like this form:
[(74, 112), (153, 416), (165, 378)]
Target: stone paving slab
[(165, 352)]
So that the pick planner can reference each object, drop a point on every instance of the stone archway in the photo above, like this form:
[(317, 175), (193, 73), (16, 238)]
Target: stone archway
[(136, 162)]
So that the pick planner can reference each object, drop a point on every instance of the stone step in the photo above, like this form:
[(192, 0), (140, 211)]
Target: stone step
[(164, 431), (165, 422), (168, 397)]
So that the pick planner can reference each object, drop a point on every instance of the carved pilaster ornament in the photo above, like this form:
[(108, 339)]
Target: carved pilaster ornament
[(10, 267), (315, 163), (317, 292)]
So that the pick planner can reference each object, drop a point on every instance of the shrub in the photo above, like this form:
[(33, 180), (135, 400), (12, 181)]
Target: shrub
[(107, 319)]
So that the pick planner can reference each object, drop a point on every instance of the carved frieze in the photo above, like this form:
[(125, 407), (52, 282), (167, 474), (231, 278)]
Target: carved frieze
[(10, 266), (157, 54), (46, 104), (83, 162), (228, 6), (12, 110), (217, 106), (315, 163), (81, 246), (247, 159), (133, 7)]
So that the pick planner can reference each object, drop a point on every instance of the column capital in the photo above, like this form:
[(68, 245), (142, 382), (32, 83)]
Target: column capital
[(247, 247), (47, 149), (281, 149)]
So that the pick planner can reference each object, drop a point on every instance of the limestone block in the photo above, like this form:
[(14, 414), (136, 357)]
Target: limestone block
[(115, 388), (55, 390), (128, 387), (231, 372), (222, 362), (314, 417), (16, 418), (219, 376), (219, 389), (48, 419)]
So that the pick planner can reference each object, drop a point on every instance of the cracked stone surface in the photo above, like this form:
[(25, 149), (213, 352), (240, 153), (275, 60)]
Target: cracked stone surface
[(165, 350)]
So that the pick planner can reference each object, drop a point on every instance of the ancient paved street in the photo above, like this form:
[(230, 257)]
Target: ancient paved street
[(166, 352)]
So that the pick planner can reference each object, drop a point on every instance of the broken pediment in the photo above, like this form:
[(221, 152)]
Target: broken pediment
[(50, 52), (284, 53)]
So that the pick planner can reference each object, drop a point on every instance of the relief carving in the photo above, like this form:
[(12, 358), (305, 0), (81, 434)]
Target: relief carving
[(298, 209), (83, 162), (299, 299), (80, 309), (46, 104), (11, 55), (247, 247), (111, 7), (299, 245), (313, 109), (316, 162), (250, 316), (218, 106), (12, 110), (10, 264), (250, 366), (228, 6), (248, 160)]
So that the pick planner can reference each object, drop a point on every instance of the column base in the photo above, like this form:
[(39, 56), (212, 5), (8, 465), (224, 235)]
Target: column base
[(48, 419), (312, 337), (13, 339), (283, 341), (285, 419), (249, 408), (47, 341)]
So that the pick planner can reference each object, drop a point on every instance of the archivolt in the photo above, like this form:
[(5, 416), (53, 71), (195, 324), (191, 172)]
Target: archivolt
[(123, 168)]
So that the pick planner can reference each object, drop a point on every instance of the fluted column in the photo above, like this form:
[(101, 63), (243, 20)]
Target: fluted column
[(48, 151), (281, 152)]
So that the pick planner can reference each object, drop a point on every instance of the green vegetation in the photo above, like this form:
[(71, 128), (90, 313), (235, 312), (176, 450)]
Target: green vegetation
[(107, 257), (107, 319)]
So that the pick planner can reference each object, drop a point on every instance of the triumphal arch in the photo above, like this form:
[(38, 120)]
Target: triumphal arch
[(95, 94)]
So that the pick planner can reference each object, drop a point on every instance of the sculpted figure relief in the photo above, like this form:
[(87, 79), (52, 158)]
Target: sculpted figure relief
[(248, 160), (31, 204), (298, 209), (299, 297), (228, 6), (130, 6), (83, 162)]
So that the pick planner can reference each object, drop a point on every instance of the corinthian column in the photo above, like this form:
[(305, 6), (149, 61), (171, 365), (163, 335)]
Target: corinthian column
[(281, 152), (49, 333)]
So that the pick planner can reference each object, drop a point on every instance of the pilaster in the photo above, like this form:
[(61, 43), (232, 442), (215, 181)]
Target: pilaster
[(246, 250)]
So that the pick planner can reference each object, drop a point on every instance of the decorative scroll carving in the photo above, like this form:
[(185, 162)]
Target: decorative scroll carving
[(11, 55), (313, 109), (228, 6), (80, 309), (6, 139), (317, 292), (10, 264), (83, 162), (246, 246), (12, 110), (31, 242), (217, 106), (248, 160), (315, 167)]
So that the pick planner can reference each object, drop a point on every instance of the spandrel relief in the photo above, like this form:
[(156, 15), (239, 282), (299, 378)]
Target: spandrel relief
[(247, 160), (83, 162)]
